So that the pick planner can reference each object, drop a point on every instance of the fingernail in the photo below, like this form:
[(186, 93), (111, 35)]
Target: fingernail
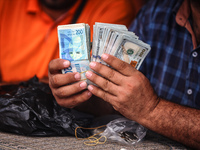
[(92, 64), (104, 56), (90, 88), (83, 84), (88, 74), (66, 63), (77, 76), (89, 94)]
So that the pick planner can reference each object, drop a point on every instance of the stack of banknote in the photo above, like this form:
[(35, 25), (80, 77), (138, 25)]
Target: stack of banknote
[(74, 45), (114, 39)]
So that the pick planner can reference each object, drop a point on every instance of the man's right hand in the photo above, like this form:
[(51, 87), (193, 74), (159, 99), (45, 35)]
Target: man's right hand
[(67, 88)]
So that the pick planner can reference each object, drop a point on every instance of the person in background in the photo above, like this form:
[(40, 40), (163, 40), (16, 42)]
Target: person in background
[(164, 95), (28, 31)]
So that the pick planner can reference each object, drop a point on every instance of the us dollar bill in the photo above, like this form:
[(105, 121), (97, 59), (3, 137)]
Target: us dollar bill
[(99, 37), (113, 41), (132, 51)]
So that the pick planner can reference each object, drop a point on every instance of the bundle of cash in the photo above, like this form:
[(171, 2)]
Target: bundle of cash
[(74, 45), (118, 41), (114, 39)]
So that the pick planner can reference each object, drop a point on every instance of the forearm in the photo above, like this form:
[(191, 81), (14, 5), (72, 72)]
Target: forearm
[(176, 122)]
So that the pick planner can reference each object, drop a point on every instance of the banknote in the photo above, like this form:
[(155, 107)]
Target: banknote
[(88, 40), (73, 43), (114, 41), (81, 66), (106, 35), (99, 37), (132, 51)]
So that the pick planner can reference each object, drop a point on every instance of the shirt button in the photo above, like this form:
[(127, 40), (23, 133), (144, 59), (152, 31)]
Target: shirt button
[(194, 54), (189, 91)]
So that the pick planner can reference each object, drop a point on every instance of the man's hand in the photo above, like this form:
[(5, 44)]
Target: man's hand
[(125, 88), (67, 88)]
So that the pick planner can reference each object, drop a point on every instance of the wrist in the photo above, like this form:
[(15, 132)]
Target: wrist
[(150, 116)]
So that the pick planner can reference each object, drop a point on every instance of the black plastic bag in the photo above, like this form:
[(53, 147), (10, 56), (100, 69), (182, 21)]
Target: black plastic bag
[(30, 109)]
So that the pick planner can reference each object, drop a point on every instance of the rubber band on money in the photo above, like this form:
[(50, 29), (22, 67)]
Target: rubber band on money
[(83, 72), (93, 140)]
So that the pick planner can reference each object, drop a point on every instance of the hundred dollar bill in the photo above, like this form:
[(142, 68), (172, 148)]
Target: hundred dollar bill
[(74, 45), (99, 37), (115, 40), (132, 51), (107, 33), (88, 40), (119, 38)]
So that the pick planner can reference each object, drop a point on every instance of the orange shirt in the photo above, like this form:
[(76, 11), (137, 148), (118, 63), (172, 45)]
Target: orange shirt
[(28, 36)]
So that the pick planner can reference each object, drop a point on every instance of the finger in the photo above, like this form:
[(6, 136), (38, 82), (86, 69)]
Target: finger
[(57, 80), (103, 83), (57, 64), (108, 73), (119, 65), (75, 100), (103, 94), (66, 91)]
